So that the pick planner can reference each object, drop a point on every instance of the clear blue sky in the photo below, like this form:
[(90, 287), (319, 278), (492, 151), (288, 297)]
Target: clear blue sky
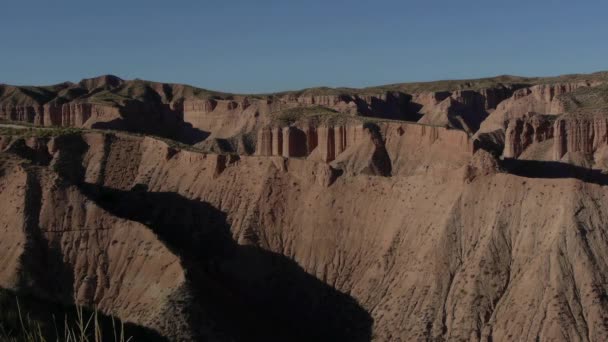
[(268, 45)]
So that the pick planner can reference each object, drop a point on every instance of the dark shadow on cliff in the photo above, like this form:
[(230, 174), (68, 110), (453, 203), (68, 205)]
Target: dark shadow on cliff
[(42, 271), (553, 169), (252, 294), (38, 155), (51, 318), (396, 106), (181, 131), (381, 164)]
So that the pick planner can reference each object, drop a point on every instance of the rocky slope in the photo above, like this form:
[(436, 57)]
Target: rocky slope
[(191, 115), (334, 226), (574, 134), (433, 253)]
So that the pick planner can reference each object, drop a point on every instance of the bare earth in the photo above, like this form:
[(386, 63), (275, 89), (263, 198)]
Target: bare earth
[(486, 220)]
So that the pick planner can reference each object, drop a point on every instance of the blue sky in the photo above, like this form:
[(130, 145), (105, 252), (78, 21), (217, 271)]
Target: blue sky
[(268, 45)]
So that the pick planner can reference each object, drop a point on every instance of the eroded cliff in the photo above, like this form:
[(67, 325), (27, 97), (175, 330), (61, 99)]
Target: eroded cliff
[(473, 253), (332, 226)]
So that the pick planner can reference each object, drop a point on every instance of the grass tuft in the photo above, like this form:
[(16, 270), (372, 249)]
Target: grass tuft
[(82, 329)]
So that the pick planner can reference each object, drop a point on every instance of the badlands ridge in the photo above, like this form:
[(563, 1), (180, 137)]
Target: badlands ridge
[(452, 210)]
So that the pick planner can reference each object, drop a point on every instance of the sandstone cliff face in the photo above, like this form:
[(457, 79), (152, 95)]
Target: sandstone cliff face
[(191, 115), (524, 131), (409, 147), (463, 109), (285, 141), (543, 99), (297, 142), (343, 103), (333, 140), (404, 231), (265, 142), (579, 135), (524, 123), (68, 249), (425, 256), (25, 113), (575, 139), (367, 156), (226, 118), (385, 104), (76, 114), (322, 143), (491, 275), (66, 115), (138, 117), (420, 149)]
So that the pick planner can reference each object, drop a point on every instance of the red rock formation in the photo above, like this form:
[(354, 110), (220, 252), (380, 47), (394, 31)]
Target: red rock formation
[(576, 135), (227, 118), (522, 132), (406, 144), (77, 114), (543, 99), (333, 140), (192, 106), (277, 141), (27, 113), (579, 134), (264, 142), (482, 164), (312, 139), (389, 243), (327, 144), (287, 141), (340, 139), (354, 134), (429, 99), (321, 100), (368, 157), (415, 148), (460, 108), (294, 142), (418, 135), (381, 104)]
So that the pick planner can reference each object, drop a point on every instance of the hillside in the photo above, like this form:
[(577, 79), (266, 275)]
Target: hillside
[(449, 211), (192, 115)]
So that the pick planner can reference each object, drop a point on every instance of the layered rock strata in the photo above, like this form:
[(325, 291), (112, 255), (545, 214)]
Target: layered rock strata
[(464, 109), (423, 257), (522, 132), (579, 135), (573, 135), (543, 99), (326, 142)]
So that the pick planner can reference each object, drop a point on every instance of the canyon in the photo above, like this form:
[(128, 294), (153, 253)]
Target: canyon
[(453, 210)]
